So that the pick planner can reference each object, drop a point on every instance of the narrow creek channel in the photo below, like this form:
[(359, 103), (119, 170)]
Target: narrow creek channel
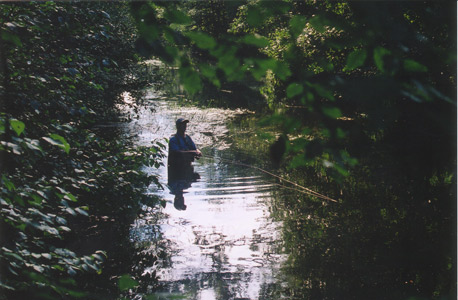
[(220, 240)]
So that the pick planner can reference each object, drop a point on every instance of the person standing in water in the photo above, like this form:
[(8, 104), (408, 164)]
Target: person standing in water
[(182, 149)]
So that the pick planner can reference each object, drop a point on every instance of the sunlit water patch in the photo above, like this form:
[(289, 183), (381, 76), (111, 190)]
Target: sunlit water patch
[(220, 240)]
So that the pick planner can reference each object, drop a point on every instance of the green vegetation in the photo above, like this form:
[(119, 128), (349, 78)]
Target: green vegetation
[(334, 67), (362, 95), (66, 181), (361, 103)]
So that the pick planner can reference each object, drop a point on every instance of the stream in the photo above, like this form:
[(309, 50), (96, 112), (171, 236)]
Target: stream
[(234, 232), (220, 239)]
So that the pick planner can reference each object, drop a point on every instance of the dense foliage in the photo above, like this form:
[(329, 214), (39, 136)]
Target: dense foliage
[(66, 181), (379, 66), (364, 96)]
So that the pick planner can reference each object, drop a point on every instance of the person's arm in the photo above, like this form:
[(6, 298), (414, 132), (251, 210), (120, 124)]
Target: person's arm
[(186, 155), (190, 153), (196, 152)]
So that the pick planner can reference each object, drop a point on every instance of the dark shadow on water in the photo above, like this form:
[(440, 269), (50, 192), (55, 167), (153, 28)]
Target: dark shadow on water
[(180, 179)]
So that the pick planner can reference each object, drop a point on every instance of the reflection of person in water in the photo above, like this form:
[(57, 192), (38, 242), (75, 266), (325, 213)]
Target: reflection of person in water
[(177, 186), (182, 151)]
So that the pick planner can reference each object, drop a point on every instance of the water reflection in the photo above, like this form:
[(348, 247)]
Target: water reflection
[(219, 239), (180, 179), (388, 241)]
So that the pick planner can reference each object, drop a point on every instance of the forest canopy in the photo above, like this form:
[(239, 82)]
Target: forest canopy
[(388, 68), (362, 95)]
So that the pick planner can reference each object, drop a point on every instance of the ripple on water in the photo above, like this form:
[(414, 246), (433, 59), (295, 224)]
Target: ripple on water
[(224, 245)]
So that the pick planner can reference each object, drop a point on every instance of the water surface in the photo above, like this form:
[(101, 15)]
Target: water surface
[(220, 241)]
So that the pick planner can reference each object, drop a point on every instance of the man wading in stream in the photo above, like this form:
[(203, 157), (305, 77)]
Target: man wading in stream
[(182, 151)]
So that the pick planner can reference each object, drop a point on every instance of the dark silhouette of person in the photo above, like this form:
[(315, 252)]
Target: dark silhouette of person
[(182, 152)]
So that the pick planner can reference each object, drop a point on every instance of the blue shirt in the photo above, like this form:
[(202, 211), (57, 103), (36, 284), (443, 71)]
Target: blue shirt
[(179, 143)]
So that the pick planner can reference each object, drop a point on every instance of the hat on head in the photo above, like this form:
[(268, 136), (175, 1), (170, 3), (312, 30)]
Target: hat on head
[(181, 120)]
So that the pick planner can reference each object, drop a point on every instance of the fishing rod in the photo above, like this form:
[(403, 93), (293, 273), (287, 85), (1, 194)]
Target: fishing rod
[(303, 188)]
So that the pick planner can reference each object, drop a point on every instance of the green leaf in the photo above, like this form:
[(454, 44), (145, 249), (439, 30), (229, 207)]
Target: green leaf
[(202, 40), (177, 17), (8, 184), (77, 294), (206, 70), (282, 70), (19, 200), (318, 23), (254, 17), (297, 24), (37, 200), (228, 62), (323, 91), (294, 89), (210, 73), (70, 197), (256, 40), (340, 133), (413, 66), (17, 126), (379, 53), (58, 141), (126, 282), (173, 52), (57, 267), (351, 161), (190, 79), (332, 112), (342, 170), (16, 256), (355, 59), (266, 64), (9, 37)]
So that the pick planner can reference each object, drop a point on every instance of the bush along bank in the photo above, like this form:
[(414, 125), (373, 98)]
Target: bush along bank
[(65, 183)]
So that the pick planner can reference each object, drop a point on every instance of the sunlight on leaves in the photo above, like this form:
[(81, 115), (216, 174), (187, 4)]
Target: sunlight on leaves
[(59, 141), (17, 126)]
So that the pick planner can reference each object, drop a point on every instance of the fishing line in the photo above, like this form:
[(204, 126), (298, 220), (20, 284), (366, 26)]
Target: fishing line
[(303, 188)]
